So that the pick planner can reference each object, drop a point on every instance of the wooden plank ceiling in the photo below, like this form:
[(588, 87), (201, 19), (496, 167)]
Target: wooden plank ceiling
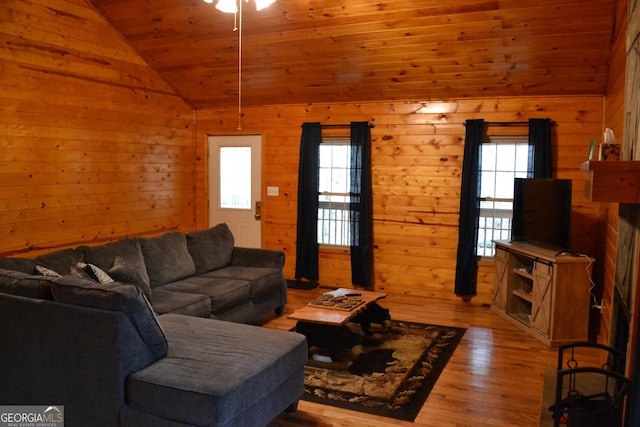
[(320, 51)]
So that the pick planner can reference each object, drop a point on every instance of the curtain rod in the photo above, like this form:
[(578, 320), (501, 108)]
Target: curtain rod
[(506, 123), (371, 125), (511, 123)]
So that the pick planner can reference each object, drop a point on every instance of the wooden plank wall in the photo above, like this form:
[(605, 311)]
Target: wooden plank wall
[(94, 146), (613, 119), (417, 158)]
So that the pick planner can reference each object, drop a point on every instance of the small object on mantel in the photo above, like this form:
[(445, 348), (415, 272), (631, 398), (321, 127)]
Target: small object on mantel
[(617, 182), (609, 152), (609, 149)]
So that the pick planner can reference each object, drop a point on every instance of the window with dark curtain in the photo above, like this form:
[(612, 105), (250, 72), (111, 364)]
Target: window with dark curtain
[(360, 204), (466, 260)]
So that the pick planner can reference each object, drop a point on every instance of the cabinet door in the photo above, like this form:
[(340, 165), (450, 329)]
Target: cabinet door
[(542, 296), (500, 279)]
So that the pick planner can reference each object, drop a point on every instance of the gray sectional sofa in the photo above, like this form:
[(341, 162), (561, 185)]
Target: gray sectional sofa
[(200, 273), (149, 348)]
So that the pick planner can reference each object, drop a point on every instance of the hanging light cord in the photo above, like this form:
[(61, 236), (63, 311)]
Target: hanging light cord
[(240, 67), (228, 7)]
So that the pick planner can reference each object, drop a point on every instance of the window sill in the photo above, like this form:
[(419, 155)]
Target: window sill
[(334, 249)]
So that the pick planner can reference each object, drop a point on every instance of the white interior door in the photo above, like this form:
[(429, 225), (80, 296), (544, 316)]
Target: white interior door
[(235, 186)]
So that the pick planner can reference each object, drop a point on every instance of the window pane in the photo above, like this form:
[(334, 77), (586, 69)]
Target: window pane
[(488, 157), (495, 224), (504, 185), (334, 185), (522, 158), (506, 157), (235, 177), (505, 206), (340, 180), (502, 161), (324, 183), (487, 184), (334, 168)]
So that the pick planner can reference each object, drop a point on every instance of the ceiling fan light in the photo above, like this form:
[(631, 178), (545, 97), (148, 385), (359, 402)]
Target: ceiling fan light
[(261, 4), (227, 6)]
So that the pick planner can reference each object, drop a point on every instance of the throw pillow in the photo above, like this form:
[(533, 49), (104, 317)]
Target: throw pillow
[(44, 271), (104, 256), (97, 273), (121, 272)]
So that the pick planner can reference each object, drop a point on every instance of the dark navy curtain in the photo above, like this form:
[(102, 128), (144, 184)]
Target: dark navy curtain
[(540, 143), (540, 166), (360, 205), (307, 227), (466, 261)]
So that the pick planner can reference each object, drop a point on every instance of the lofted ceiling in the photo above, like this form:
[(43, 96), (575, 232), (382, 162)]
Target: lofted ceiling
[(320, 51)]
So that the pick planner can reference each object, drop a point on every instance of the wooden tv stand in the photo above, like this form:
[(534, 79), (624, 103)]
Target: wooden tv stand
[(543, 292)]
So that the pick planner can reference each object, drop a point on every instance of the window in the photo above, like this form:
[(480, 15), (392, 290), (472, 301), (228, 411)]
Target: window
[(334, 188), (501, 160), (235, 177)]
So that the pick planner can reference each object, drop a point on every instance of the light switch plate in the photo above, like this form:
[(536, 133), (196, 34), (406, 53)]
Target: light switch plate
[(272, 191)]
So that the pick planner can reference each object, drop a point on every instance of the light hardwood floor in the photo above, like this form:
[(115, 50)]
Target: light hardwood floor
[(494, 378)]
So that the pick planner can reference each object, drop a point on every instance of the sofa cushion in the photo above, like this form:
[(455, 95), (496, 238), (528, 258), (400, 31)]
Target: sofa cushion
[(257, 257), (122, 271), (167, 258), (115, 296), (247, 362), (261, 280), (60, 261), (211, 249), (224, 293), (24, 265), (180, 303), (123, 254), (26, 285)]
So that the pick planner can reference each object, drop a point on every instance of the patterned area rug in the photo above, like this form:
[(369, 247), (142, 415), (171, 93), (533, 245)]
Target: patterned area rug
[(392, 377)]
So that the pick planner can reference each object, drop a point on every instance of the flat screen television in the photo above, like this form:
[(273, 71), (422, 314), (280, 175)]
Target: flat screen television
[(542, 211)]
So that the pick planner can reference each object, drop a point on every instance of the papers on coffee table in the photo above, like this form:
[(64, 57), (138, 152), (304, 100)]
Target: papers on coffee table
[(343, 292)]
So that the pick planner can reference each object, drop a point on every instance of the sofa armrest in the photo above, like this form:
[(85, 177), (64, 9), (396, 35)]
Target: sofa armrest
[(257, 257)]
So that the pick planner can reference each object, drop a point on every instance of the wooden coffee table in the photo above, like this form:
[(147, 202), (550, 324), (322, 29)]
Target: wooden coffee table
[(325, 327), (328, 316)]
